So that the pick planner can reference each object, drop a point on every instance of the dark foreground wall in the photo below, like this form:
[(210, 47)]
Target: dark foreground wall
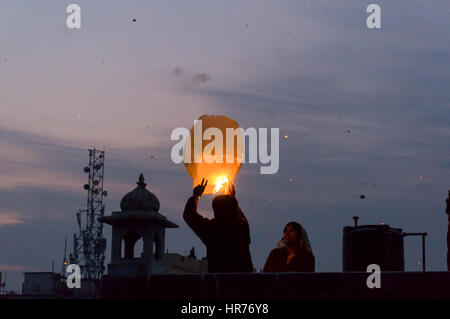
[(279, 286)]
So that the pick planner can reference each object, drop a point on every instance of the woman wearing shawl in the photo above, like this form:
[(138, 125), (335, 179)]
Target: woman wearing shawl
[(294, 253)]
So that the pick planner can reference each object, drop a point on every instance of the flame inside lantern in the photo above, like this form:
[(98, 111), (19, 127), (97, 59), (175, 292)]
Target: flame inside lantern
[(221, 184)]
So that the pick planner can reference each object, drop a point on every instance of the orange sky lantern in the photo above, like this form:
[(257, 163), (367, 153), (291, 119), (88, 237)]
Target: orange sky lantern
[(217, 161)]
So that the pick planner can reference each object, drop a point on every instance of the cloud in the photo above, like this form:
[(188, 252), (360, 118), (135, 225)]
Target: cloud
[(8, 217), (18, 268), (201, 78), (178, 71), (12, 268), (188, 79)]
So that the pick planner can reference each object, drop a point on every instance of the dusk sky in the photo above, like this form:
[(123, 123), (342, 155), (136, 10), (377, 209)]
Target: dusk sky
[(366, 111)]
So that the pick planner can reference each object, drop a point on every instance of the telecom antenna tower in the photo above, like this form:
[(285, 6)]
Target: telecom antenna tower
[(89, 245)]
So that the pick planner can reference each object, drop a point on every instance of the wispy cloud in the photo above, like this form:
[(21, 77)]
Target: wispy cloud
[(17, 268), (8, 217)]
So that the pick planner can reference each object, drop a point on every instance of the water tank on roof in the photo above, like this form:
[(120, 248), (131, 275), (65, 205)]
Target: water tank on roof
[(373, 244)]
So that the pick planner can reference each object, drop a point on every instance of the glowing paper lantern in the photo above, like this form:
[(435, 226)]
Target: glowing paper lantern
[(214, 153)]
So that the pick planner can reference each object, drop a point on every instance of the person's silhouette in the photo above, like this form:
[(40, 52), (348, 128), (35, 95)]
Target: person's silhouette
[(226, 236)]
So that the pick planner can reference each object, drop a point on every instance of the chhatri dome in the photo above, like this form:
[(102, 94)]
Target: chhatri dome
[(139, 219), (140, 199)]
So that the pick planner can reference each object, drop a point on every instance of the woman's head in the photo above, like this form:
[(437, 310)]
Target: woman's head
[(292, 234)]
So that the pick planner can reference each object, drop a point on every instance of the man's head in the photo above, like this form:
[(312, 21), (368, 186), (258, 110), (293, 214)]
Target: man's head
[(224, 207)]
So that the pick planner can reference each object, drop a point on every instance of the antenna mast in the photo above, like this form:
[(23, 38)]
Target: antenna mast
[(89, 245)]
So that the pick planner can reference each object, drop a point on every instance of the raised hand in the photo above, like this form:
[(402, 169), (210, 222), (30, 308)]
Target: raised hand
[(199, 189), (231, 190)]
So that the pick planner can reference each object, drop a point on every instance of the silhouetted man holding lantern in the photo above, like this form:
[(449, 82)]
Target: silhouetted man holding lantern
[(227, 236)]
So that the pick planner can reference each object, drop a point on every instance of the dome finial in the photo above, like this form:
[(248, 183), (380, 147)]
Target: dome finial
[(141, 182)]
